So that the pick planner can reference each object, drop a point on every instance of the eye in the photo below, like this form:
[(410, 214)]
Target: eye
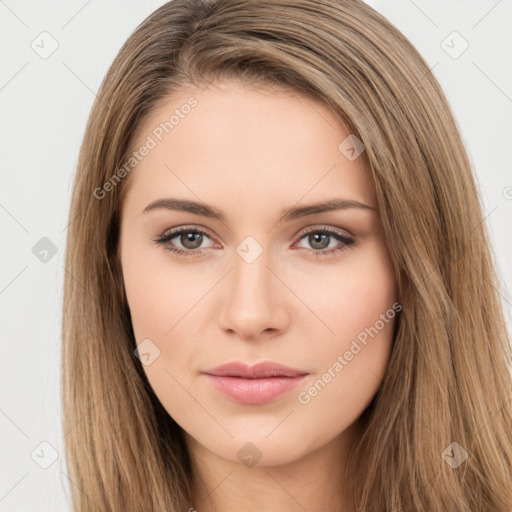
[(192, 237), (320, 239)]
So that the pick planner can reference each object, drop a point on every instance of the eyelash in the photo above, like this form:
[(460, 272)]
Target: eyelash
[(167, 237)]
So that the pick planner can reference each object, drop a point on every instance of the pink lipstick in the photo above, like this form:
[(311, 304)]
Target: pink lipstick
[(257, 384)]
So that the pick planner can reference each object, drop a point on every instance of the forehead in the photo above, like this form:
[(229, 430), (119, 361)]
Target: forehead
[(230, 141)]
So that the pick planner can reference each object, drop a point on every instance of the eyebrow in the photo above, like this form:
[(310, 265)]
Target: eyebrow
[(287, 214)]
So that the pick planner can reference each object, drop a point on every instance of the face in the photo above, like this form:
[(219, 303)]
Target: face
[(234, 278)]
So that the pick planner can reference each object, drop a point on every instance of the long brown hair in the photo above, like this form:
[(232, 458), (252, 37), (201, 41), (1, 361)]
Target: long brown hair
[(448, 379)]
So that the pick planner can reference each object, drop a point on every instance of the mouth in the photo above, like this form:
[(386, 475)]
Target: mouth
[(257, 384)]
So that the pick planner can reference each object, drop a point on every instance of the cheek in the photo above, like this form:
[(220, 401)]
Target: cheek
[(362, 311), (159, 301), (359, 305), (158, 294), (165, 306), (352, 296)]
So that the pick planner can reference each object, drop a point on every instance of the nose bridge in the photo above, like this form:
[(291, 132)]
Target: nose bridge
[(250, 285), (252, 303)]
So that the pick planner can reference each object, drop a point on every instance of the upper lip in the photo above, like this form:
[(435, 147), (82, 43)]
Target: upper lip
[(256, 371)]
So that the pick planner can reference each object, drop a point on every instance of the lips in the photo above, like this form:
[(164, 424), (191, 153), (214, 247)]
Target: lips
[(258, 371), (257, 384)]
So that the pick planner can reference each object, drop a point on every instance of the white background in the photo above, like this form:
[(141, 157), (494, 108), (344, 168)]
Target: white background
[(44, 107)]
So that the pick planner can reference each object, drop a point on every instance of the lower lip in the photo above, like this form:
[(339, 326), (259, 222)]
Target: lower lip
[(254, 391)]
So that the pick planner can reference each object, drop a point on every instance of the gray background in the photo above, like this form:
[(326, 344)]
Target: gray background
[(45, 103)]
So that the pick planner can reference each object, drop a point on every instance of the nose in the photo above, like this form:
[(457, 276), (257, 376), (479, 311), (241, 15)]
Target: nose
[(253, 301)]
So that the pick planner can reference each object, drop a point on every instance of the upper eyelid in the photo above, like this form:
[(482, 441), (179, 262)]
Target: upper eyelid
[(176, 231), (339, 231)]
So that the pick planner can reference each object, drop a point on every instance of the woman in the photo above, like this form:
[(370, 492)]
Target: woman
[(280, 291)]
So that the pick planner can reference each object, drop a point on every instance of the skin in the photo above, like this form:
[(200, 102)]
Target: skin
[(251, 153)]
